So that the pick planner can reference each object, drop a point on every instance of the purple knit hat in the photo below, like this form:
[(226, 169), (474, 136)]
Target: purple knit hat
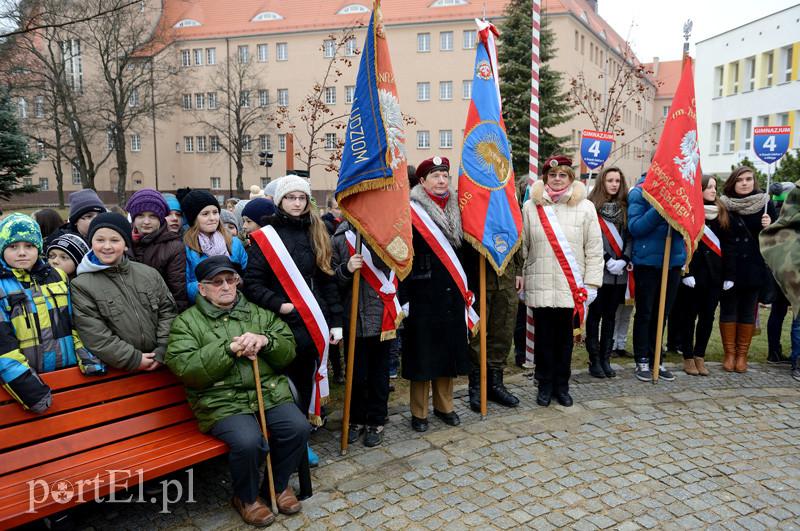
[(147, 200)]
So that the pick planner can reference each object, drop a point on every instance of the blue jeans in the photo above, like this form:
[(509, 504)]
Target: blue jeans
[(795, 340)]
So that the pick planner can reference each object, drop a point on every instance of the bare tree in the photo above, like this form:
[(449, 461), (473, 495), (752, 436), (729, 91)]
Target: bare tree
[(241, 109), (38, 17)]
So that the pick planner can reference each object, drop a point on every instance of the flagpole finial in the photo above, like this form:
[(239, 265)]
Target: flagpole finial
[(687, 32)]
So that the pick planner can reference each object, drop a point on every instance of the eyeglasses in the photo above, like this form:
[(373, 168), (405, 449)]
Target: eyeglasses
[(219, 282), (299, 198)]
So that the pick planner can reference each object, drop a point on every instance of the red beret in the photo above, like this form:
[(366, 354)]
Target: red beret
[(555, 161), (432, 164)]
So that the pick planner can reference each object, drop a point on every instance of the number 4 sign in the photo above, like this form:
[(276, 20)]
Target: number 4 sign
[(771, 143), (595, 147)]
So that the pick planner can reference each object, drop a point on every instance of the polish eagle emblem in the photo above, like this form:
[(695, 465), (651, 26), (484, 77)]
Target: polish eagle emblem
[(690, 157)]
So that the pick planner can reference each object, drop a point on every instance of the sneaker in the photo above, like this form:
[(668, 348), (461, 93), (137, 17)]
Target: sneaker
[(796, 373), (665, 374), (643, 372), (374, 436), (313, 459), (354, 433), (393, 374)]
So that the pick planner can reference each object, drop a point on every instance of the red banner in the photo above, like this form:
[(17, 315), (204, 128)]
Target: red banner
[(672, 184)]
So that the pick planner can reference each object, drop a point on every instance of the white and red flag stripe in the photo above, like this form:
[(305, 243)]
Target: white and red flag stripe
[(712, 241), (615, 240)]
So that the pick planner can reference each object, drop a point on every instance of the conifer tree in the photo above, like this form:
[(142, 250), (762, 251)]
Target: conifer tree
[(16, 160)]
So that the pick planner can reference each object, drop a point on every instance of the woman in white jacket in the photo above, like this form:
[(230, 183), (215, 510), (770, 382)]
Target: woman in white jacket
[(563, 252)]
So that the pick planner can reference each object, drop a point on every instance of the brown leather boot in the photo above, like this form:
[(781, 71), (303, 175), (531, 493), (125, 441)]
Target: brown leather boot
[(728, 333), (288, 502), (744, 335), (700, 364), (689, 367), (256, 513)]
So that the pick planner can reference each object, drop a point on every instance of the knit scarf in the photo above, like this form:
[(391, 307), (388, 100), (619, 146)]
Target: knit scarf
[(440, 200), (712, 211), (613, 213), (555, 196), (214, 245), (749, 204)]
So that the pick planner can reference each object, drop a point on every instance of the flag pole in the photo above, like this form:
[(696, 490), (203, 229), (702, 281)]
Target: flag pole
[(662, 299), (769, 179), (351, 346), (482, 332)]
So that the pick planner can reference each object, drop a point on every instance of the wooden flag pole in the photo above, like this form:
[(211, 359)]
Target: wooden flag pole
[(482, 332), (263, 417), (351, 346), (662, 299)]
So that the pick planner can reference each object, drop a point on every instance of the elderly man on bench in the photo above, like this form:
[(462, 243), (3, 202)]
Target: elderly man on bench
[(211, 348)]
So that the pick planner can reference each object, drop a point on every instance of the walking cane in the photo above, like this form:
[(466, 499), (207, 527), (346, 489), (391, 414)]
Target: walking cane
[(263, 417)]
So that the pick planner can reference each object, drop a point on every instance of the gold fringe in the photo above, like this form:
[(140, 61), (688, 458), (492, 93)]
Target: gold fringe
[(366, 186), (675, 225), (482, 250), (377, 249), (476, 329), (630, 302), (315, 420), (391, 334)]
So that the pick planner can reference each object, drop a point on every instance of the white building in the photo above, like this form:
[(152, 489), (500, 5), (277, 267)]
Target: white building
[(744, 78)]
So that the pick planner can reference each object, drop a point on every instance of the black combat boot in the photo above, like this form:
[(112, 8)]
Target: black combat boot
[(475, 390), (605, 359), (497, 391)]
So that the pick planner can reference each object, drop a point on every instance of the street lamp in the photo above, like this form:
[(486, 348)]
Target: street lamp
[(265, 159)]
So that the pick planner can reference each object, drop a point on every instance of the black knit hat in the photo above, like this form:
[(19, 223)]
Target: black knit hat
[(113, 221), (194, 202), (72, 244)]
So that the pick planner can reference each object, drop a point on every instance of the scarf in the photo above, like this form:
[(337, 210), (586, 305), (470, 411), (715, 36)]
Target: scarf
[(749, 204), (613, 213), (214, 245), (440, 200), (712, 211), (555, 196)]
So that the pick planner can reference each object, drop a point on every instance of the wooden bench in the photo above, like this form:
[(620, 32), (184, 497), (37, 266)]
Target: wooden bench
[(134, 422)]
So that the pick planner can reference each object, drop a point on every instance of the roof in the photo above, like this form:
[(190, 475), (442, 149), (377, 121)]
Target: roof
[(667, 77), (592, 20)]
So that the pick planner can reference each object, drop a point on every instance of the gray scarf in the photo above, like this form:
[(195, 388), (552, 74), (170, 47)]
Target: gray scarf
[(213, 246), (612, 212), (448, 220), (749, 204)]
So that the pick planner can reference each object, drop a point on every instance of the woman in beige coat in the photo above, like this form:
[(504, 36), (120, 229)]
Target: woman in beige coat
[(560, 227)]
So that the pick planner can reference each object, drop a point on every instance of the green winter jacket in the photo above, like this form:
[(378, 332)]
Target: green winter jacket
[(219, 384)]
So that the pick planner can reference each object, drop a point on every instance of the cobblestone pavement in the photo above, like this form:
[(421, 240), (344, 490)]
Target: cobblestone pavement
[(716, 453)]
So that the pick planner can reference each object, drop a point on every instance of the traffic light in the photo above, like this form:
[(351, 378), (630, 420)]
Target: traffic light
[(265, 158)]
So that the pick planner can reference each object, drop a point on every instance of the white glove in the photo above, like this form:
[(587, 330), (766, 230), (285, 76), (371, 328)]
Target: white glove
[(405, 309), (689, 282), (336, 334), (591, 295), (616, 267), (728, 284)]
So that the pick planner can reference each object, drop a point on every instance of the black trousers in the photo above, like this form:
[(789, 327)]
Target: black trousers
[(553, 348), (739, 305), (601, 319), (780, 306), (648, 290), (677, 320), (519, 331), (288, 438), (301, 372), (369, 403), (694, 304)]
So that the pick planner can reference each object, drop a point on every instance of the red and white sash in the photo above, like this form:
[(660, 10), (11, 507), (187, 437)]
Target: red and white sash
[(712, 241), (385, 287), (565, 257), (306, 305), (441, 247), (615, 241)]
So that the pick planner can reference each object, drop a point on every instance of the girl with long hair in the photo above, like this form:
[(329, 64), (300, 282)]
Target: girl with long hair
[(610, 199)]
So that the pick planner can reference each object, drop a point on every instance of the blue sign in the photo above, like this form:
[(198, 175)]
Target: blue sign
[(595, 147), (771, 143)]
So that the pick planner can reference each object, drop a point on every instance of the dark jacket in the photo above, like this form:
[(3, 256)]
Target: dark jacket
[(751, 271), (707, 268), (435, 339), (122, 311), (262, 286), (219, 384), (164, 251), (608, 253), (649, 232)]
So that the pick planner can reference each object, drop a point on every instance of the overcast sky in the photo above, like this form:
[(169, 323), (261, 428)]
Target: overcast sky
[(655, 28)]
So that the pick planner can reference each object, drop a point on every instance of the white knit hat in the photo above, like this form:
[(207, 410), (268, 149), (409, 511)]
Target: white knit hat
[(291, 183), (256, 191)]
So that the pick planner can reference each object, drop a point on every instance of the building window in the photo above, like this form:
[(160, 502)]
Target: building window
[(349, 93), (283, 97), (715, 138), (445, 90), (782, 118), (199, 100), (446, 41), (262, 52), (665, 111), (718, 81), (282, 51), (330, 142), (133, 98), (747, 130), (770, 67), (136, 142), (470, 38), (328, 48), (466, 89), (351, 9), (38, 106), (786, 61), (198, 56), (763, 120), (350, 47), (263, 97), (40, 149), (243, 54), (110, 140), (750, 74), (186, 58), (445, 138), (188, 144), (264, 142), (201, 144), (211, 56), (73, 65), (423, 91), (212, 100), (423, 42), (735, 77), (213, 143), (244, 99), (76, 174), (423, 139), (583, 44), (330, 95), (577, 40), (27, 181), (282, 142), (730, 135), (44, 184), (267, 15), (216, 183), (247, 143), (187, 102)]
